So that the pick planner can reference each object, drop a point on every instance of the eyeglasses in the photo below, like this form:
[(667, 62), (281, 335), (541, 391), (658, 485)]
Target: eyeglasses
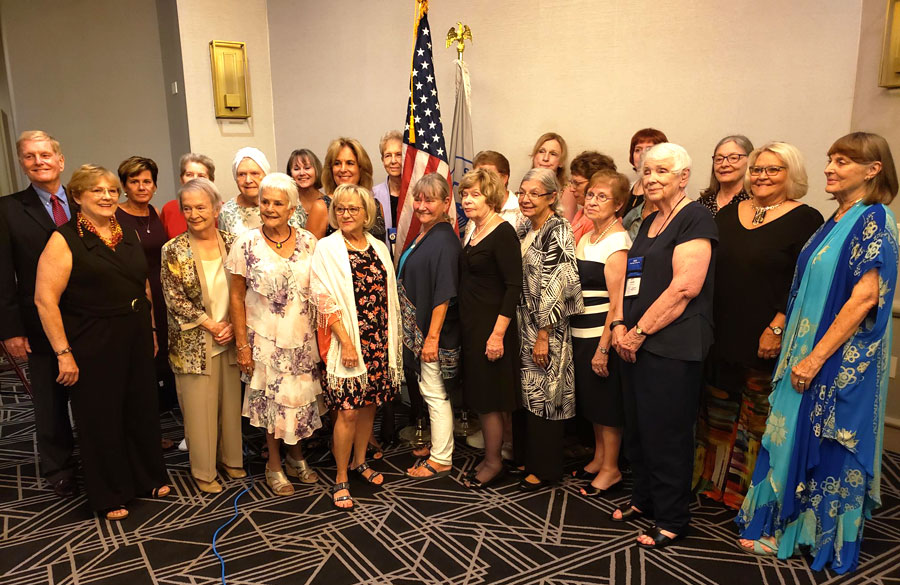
[(601, 197), (99, 191), (352, 210), (769, 171), (732, 158), (573, 183), (521, 194)]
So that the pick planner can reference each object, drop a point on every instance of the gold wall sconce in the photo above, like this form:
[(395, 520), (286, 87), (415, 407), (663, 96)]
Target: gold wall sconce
[(229, 75), (890, 51)]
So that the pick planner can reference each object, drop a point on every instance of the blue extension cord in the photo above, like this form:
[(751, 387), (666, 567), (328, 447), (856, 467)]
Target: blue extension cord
[(223, 526)]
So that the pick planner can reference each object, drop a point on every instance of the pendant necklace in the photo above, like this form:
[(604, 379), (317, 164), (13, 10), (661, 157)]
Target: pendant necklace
[(759, 213), (603, 233), (277, 244)]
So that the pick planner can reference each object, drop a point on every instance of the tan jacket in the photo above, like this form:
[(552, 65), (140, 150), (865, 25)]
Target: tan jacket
[(187, 301)]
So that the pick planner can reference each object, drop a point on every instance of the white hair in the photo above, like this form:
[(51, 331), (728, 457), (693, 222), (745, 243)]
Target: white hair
[(681, 160), (201, 185), (283, 184), (253, 154)]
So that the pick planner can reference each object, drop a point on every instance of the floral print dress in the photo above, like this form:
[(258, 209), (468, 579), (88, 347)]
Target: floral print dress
[(282, 393), (370, 292)]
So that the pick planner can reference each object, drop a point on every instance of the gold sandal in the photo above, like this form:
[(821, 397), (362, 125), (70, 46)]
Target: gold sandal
[(279, 483), (300, 469)]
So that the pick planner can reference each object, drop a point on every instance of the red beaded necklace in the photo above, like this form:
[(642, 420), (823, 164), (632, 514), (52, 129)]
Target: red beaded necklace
[(114, 228)]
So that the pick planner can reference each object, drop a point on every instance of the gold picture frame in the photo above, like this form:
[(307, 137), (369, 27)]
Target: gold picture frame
[(231, 95), (890, 50)]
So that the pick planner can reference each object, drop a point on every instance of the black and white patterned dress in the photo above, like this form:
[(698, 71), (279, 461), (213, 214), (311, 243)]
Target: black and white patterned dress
[(551, 294)]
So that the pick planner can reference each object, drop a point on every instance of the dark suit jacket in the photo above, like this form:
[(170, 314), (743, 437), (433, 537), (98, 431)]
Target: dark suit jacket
[(25, 227)]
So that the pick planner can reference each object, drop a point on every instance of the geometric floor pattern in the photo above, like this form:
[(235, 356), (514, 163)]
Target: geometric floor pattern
[(406, 533)]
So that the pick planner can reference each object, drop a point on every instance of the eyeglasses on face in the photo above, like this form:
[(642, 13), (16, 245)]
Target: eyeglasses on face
[(100, 191), (352, 210), (770, 171), (599, 197), (732, 158), (521, 194), (576, 183)]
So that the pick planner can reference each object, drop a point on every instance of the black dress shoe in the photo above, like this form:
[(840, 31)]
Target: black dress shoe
[(65, 487), (660, 540)]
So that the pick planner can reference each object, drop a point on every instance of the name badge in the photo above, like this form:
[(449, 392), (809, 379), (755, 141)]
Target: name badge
[(633, 276)]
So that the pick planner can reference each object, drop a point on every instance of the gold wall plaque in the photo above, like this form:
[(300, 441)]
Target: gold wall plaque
[(231, 95), (890, 50)]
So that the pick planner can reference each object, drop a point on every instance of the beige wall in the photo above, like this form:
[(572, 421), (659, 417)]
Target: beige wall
[(202, 21), (89, 73), (876, 109), (593, 71)]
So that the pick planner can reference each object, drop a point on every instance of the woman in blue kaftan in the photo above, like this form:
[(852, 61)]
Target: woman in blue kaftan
[(818, 473)]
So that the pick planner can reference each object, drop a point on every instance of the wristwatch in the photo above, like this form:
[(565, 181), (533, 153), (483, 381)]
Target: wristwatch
[(603, 350), (776, 330), (639, 331)]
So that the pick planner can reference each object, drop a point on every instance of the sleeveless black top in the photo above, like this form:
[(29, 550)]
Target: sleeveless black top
[(104, 282)]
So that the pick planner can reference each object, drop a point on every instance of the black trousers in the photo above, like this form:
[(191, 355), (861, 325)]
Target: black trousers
[(538, 444), (51, 419), (116, 410), (661, 402)]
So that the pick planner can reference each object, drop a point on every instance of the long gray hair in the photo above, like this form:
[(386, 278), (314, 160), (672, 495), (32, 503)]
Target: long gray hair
[(743, 142)]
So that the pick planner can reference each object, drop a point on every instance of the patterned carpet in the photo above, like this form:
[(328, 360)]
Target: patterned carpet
[(409, 532)]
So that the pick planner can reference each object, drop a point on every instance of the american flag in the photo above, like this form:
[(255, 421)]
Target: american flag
[(423, 141)]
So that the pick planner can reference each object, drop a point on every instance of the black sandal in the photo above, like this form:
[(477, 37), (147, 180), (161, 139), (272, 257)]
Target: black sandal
[(472, 482), (628, 515), (371, 477), (660, 540), (335, 499)]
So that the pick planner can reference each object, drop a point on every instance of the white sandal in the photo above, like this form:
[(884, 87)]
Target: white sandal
[(300, 469), (279, 483)]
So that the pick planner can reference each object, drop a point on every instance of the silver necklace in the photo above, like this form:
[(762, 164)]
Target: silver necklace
[(349, 243), (759, 213)]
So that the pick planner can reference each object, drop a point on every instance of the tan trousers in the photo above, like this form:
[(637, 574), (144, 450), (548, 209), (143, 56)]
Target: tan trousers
[(212, 416)]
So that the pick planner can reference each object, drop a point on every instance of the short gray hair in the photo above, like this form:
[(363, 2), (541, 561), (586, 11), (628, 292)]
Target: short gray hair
[(388, 136), (681, 160), (432, 184), (201, 185), (548, 181), (365, 197), (193, 157), (283, 184)]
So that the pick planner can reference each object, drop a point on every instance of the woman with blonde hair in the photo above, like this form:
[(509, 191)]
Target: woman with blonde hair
[(360, 338), (93, 298), (818, 474), (759, 241), (348, 163)]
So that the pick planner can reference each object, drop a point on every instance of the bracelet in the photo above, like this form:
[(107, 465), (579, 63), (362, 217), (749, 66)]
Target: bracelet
[(245, 346), (616, 323), (67, 349)]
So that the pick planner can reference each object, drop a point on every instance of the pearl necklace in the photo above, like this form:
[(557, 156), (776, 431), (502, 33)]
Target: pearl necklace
[(477, 231), (603, 233), (349, 243)]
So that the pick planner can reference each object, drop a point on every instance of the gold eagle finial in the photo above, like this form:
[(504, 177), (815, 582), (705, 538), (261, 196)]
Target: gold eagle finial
[(459, 35)]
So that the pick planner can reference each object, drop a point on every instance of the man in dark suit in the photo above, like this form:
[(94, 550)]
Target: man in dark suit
[(27, 219)]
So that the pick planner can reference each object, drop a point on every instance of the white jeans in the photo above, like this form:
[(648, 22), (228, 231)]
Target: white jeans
[(431, 385)]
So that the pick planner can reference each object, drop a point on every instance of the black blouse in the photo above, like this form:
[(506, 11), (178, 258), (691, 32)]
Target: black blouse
[(754, 269), (689, 336)]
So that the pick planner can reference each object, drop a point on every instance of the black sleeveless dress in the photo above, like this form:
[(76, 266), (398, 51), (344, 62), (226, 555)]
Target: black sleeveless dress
[(106, 317)]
